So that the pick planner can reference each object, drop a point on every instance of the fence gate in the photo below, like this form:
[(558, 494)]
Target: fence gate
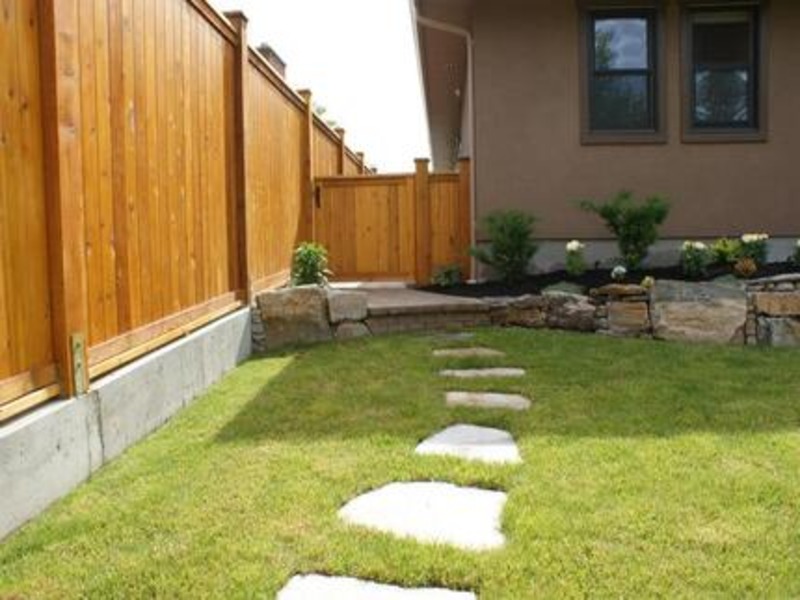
[(368, 226), (395, 227)]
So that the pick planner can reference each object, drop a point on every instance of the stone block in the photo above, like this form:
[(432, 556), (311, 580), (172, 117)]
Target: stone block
[(346, 306), (777, 304), (295, 316), (628, 318), (779, 333), (570, 312), (351, 331)]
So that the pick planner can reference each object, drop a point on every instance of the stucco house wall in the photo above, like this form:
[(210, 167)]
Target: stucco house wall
[(529, 156)]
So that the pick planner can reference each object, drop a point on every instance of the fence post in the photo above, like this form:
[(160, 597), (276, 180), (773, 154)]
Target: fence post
[(422, 210), (61, 127), (307, 167), (342, 151), (465, 216), (362, 164), (241, 205)]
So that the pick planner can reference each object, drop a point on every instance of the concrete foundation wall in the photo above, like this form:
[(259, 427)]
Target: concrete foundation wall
[(46, 454)]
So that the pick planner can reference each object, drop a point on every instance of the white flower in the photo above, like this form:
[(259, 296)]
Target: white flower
[(754, 238), (699, 246), (618, 273), (575, 246)]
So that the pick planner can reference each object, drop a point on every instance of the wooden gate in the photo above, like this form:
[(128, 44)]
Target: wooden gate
[(394, 227)]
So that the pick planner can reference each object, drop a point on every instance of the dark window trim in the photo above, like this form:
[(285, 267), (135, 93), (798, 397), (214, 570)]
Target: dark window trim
[(733, 134), (586, 10)]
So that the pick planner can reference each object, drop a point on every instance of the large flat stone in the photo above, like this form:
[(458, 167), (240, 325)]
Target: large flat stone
[(321, 587), (699, 312), (439, 513), (488, 400), (468, 353), (482, 373), (472, 443), (295, 316)]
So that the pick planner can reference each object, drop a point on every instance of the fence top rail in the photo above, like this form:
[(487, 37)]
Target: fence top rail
[(444, 177), (216, 19), (271, 75), (326, 129), (365, 180)]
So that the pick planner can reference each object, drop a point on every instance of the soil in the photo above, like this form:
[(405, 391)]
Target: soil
[(536, 284)]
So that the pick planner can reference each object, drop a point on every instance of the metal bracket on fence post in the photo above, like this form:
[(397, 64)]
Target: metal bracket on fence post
[(79, 375)]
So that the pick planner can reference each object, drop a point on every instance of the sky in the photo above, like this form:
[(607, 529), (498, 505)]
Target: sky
[(359, 60)]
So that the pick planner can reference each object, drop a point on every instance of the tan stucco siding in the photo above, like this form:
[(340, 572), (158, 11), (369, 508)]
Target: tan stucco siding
[(528, 150)]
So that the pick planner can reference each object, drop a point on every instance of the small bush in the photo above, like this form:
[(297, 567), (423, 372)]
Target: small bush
[(576, 262), (726, 251), (755, 246), (449, 276), (310, 265), (745, 268), (795, 258), (511, 244), (696, 257), (634, 225)]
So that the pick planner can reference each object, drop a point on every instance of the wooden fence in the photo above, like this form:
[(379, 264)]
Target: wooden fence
[(395, 227), (155, 172)]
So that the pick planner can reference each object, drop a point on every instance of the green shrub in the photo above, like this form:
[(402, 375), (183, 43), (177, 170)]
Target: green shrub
[(310, 265), (755, 246), (726, 251), (634, 225), (448, 276), (576, 262), (696, 257), (511, 244)]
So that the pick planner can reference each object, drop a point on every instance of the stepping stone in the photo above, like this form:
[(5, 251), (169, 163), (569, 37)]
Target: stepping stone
[(487, 400), (472, 443), (456, 337), (439, 513), (482, 373), (320, 587), (468, 353)]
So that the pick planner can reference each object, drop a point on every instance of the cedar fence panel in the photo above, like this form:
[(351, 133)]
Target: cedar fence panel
[(165, 176)]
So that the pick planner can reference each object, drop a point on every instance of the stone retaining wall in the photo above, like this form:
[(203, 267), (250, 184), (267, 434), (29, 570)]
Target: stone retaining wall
[(763, 312)]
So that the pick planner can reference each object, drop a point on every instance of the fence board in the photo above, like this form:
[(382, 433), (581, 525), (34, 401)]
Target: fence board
[(26, 352), (326, 151)]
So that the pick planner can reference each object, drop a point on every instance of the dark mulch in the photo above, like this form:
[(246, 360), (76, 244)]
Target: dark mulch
[(535, 284)]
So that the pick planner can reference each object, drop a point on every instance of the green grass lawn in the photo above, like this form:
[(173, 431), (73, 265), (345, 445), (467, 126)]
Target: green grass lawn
[(649, 470)]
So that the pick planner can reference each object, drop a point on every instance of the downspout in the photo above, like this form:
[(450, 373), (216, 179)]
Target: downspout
[(467, 35)]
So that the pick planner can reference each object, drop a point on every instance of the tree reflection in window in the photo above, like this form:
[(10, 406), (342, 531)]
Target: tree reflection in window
[(622, 82), (725, 77)]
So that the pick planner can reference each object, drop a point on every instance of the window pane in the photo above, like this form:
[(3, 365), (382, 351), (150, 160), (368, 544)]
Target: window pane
[(621, 44), (722, 38), (621, 102), (722, 97)]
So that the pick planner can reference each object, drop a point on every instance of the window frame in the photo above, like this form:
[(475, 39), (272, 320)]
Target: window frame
[(760, 97), (589, 11)]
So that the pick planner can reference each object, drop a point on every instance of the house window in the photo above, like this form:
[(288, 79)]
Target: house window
[(724, 72), (622, 72)]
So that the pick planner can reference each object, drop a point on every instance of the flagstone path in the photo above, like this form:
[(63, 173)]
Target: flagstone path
[(433, 512)]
